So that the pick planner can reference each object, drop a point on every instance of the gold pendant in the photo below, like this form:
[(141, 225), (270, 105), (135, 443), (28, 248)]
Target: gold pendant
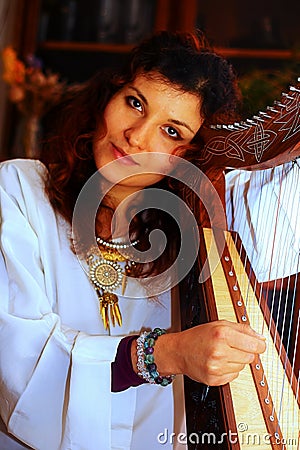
[(112, 256), (106, 275), (109, 309), (124, 283)]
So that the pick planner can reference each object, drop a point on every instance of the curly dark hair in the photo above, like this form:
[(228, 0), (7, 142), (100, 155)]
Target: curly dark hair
[(181, 59)]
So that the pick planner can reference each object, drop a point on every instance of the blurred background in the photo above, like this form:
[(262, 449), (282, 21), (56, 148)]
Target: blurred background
[(47, 44)]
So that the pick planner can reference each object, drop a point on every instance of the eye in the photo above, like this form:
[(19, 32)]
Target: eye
[(172, 132), (134, 103)]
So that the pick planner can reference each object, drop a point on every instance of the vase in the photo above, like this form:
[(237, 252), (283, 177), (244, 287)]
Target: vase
[(30, 136)]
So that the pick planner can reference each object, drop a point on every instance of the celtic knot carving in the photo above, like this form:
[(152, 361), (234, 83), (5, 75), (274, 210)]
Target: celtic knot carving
[(255, 140)]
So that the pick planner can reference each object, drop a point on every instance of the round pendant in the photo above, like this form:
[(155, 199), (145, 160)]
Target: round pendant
[(106, 275)]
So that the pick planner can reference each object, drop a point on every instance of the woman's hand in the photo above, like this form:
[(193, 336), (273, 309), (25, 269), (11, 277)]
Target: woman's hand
[(213, 353)]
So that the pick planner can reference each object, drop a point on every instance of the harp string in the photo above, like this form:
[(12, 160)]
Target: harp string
[(277, 196), (277, 303)]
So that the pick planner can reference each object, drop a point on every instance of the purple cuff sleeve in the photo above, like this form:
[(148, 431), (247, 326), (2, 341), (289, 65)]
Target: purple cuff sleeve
[(123, 375)]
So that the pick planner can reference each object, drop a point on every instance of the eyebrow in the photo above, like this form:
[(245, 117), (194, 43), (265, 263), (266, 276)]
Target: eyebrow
[(183, 124), (175, 121), (139, 94)]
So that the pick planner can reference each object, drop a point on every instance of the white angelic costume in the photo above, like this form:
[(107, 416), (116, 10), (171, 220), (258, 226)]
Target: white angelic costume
[(55, 355)]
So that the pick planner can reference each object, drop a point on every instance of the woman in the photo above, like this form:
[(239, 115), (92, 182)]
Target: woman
[(79, 368)]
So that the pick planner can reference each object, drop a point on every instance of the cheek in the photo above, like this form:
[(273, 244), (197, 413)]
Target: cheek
[(158, 162), (142, 181), (114, 115), (98, 146)]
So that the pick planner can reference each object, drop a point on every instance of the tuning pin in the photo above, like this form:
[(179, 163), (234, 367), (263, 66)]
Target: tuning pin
[(270, 108), (281, 105), (289, 97), (251, 122), (260, 119), (267, 116)]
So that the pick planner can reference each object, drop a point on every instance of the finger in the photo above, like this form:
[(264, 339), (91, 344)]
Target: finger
[(246, 329), (235, 361), (245, 339), (250, 344), (240, 357), (231, 368), (224, 379)]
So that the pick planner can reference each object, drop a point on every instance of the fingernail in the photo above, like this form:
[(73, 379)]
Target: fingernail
[(261, 336)]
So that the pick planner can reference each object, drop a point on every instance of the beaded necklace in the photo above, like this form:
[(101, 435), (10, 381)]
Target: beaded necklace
[(106, 274)]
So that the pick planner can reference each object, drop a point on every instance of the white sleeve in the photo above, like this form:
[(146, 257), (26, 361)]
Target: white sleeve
[(54, 381)]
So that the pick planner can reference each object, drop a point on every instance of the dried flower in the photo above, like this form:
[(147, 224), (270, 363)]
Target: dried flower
[(14, 70), (32, 90)]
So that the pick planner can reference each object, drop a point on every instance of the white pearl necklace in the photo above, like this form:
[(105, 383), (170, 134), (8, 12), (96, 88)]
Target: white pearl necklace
[(116, 245), (106, 275)]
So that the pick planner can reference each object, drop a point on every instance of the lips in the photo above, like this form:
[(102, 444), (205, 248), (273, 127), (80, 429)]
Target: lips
[(123, 157)]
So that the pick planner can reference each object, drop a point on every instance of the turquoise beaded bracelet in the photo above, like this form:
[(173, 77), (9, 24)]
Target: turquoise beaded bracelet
[(147, 368)]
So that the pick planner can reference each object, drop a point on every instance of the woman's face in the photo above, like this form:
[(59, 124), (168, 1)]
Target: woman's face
[(146, 122)]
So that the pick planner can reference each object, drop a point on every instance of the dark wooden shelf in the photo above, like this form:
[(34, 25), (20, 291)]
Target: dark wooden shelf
[(251, 53), (256, 53), (84, 46)]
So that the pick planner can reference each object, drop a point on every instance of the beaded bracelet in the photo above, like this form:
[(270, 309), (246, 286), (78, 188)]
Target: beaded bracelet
[(146, 366)]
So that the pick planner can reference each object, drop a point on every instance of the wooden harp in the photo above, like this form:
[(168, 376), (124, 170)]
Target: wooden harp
[(260, 409)]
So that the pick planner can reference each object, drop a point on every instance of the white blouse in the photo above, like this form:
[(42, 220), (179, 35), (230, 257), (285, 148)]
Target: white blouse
[(55, 355)]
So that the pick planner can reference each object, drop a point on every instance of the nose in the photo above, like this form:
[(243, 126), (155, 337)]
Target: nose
[(137, 135)]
